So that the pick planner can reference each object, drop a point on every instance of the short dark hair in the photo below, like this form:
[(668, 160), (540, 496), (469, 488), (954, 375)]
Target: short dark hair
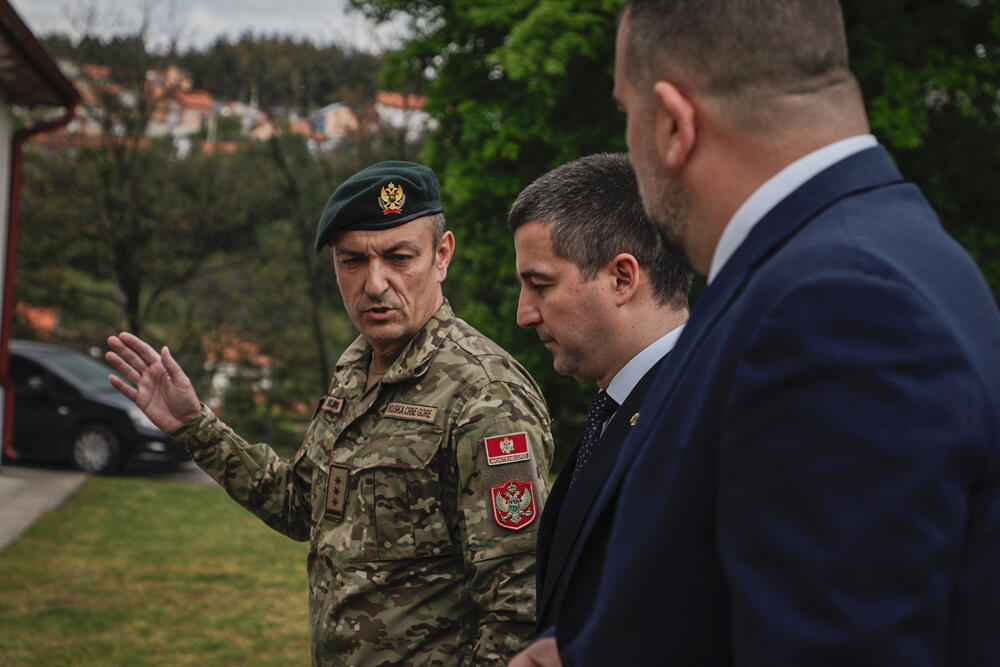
[(731, 47), (595, 212)]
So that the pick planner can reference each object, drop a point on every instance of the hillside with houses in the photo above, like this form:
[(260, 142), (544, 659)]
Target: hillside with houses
[(173, 108)]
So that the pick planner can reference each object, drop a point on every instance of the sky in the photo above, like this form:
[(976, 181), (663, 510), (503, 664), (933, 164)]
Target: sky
[(197, 23)]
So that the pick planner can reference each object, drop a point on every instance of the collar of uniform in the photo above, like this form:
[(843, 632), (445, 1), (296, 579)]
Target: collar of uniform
[(416, 356)]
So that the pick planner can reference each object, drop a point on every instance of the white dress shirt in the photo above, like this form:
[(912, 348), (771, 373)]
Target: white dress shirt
[(628, 377), (779, 186)]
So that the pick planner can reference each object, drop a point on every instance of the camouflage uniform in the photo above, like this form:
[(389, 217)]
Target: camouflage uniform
[(411, 565)]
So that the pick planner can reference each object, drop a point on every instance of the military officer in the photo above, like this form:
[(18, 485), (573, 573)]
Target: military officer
[(422, 475)]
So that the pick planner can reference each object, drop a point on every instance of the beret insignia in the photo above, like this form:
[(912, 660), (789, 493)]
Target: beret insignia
[(391, 199)]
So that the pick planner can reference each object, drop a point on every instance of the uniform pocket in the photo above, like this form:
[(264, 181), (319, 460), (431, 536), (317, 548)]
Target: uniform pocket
[(396, 512)]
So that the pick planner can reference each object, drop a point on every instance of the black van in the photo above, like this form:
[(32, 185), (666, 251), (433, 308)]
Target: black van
[(66, 411)]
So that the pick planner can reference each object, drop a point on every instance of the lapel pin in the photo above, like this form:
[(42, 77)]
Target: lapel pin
[(634, 420)]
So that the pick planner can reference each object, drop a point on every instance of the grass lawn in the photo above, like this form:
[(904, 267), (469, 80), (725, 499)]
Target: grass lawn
[(139, 572)]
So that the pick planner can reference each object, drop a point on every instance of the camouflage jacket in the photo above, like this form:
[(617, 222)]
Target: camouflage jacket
[(420, 499)]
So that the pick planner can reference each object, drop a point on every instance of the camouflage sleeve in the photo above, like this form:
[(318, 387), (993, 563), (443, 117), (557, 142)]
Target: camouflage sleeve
[(500, 494), (253, 475)]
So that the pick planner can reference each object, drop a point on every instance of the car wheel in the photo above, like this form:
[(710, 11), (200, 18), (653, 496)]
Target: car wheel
[(96, 449)]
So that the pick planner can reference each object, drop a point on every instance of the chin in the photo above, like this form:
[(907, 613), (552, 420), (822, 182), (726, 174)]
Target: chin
[(560, 366)]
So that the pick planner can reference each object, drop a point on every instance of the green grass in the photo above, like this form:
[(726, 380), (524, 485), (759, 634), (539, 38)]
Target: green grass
[(137, 572)]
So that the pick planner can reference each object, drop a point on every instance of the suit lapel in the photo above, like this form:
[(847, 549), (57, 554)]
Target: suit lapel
[(548, 522), (575, 503), (867, 170)]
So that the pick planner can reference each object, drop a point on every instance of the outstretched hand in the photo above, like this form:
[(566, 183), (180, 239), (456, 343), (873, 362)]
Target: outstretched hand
[(162, 389)]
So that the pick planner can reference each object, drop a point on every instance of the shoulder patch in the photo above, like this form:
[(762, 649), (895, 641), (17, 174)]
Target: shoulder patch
[(507, 448), (514, 504), (329, 406), (412, 412), (333, 405)]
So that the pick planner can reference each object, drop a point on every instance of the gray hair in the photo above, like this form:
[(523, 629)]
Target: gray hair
[(438, 227), (595, 212)]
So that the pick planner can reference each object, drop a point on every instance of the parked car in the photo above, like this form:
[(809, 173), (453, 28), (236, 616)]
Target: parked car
[(65, 410)]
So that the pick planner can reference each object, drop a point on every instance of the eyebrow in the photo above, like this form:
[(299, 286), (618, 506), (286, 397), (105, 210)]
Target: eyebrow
[(402, 245), (396, 247), (534, 273)]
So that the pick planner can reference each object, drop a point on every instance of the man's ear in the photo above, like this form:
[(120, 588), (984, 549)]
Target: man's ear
[(675, 124), (625, 270), (443, 253)]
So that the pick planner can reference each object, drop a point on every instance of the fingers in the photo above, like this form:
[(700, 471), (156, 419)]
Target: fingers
[(139, 347), (127, 390), (174, 369), (123, 367), (126, 354)]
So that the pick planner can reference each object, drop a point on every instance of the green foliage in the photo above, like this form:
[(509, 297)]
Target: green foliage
[(126, 55), (276, 72), (930, 71), (135, 218), (520, 87), (228, 128), (283, 72)]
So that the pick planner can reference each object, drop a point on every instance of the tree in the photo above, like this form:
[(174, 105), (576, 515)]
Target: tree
[(930, 72)]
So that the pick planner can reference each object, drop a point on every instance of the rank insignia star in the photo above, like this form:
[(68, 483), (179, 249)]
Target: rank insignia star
[(336, 492), (514, 503)]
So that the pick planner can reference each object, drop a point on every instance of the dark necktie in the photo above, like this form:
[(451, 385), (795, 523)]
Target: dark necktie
[(600, 409)]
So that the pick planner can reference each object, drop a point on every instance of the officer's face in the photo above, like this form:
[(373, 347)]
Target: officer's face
[(390, 280), (568, 313)]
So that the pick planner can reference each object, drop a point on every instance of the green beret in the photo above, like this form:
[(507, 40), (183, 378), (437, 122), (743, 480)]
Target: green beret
[(381, 196)]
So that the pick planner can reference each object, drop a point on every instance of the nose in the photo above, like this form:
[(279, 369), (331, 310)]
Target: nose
[(376, 283), (527, 313)]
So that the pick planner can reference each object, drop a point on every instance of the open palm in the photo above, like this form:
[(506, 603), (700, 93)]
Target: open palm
[(162, 390)]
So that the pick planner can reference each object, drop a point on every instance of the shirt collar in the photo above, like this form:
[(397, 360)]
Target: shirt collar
[(415, 356), (779, 186), (628, 377)]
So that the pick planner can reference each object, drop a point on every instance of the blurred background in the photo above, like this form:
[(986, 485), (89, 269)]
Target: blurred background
[(181, 202)]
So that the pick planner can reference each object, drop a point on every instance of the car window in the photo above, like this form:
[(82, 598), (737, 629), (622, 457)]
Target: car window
[(82, 371), (21, 369)]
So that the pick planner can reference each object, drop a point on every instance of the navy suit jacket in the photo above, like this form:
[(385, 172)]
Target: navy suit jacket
[(815, 477), (562, 572)]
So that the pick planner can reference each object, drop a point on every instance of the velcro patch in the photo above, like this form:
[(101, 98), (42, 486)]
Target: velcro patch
[(336, 492), (412, 412), (332, 405), (514, 503), (507, 448)]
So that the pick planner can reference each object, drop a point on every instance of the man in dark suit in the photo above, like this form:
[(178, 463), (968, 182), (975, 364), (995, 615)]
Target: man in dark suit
[(608, 297), (815, 477)]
